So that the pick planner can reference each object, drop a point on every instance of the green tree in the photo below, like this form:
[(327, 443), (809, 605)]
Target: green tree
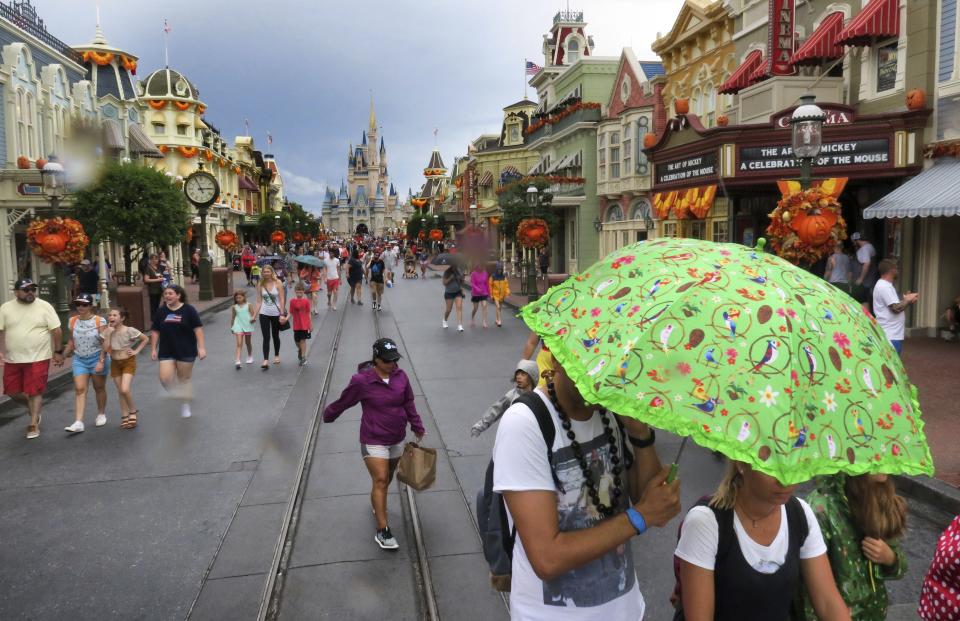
[(421, 220), (133, 206), (513, 204)]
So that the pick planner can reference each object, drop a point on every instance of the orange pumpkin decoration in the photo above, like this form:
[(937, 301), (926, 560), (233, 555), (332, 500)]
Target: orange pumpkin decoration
[(649, 140), (162, 148), (23, 162), (916, 99), (298, 236), (436, 235), (723, 120), (813, 227), (40, 163), (533, 233), (188, 152), (182, 105), (278, 237), (189, 235), (157, 104), (129, 64), (61, 241), (682, 105), (227, 239), (53, 243)]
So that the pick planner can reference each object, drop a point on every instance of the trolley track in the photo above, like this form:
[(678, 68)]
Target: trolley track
[(272, 598)]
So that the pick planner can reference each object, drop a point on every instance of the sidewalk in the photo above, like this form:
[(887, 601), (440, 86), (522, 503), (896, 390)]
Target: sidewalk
[(60, 378)]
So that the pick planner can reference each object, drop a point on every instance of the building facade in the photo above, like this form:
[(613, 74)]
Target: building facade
[(633, 110)]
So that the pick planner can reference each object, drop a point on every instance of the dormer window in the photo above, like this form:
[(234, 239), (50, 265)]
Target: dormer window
[(159, 128), (573, 50), (513, 133)]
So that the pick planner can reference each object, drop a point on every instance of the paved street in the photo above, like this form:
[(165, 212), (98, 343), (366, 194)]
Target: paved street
[(181, 517)]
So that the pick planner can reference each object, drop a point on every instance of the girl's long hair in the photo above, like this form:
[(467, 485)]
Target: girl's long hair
[(726, 495), (264, 278), (876, 508)]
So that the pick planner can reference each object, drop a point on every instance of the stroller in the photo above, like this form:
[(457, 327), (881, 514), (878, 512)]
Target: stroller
[(410, 268)]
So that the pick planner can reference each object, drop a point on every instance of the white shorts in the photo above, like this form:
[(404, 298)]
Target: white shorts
[(393, 451)]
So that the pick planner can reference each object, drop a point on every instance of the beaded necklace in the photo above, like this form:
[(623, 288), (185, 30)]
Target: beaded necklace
[(617, 490)]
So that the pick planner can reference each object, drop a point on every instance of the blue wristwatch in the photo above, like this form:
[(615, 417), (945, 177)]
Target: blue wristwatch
[(637, 520)]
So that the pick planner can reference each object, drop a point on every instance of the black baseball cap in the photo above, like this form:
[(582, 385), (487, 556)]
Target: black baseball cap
[(386, 350), (23, 283), (83, 298)]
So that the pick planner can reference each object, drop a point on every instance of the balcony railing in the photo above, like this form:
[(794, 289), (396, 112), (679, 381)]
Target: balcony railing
[(588, 115), (568, 16), (568, 189), (35, 27)]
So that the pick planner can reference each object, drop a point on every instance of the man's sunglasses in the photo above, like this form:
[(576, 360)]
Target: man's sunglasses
[(79, 304), (30, 289)]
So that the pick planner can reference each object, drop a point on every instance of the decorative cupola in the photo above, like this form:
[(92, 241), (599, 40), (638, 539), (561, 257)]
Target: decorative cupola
[(435, 167), (109, 69), (567, 42)]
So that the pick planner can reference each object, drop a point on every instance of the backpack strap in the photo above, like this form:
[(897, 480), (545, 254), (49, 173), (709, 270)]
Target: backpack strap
[(797, 521), (725, 532), (627, 455), (547, 428)]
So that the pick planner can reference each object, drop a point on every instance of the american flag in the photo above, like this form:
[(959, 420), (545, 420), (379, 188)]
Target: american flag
[(533, 68), (166, 27)]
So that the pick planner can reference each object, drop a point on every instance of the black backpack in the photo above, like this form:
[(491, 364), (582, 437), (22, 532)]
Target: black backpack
[(496, 532)]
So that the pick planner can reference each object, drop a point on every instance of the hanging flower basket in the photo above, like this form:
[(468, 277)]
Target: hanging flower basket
[(806, 225), (418, 202), (227, 240), (57, 240), (278, 237), (533, 233), (436, 235)]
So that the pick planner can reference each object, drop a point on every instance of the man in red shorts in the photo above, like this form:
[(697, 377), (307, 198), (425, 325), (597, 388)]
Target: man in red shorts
[(32, 335), (331, 272)]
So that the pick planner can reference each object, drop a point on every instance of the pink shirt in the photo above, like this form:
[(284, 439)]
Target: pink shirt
[(478, 283)]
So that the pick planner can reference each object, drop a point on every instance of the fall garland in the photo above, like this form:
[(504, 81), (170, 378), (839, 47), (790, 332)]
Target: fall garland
[(182, 106), (558, 116), (278, 237), (130, 64), (157, 104), (57, 240), (188, 152), (533, 233), (805, 226), (98, 58), (941, 149)]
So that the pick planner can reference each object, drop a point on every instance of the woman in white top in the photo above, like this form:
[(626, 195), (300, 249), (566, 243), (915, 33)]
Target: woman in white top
[(86, 345), (743, 555), (271, 308)]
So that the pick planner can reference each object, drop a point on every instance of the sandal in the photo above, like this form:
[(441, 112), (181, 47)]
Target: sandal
[(130, 420)]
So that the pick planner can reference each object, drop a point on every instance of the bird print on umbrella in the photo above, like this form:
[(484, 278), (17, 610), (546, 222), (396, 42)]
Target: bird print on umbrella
[(707, 406), (868, 381), (709, 357), (665, 337), (708, 278), (597, 368), (731, 325), (811, 360), (801, 438), (744, 432), (768, 356), (754, 276), (603, 287), (653, 290)]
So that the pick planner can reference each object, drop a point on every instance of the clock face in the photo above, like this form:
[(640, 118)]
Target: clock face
[(201, 188)]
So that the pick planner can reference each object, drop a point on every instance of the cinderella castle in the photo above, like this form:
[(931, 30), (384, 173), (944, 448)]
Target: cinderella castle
[(366, 201)]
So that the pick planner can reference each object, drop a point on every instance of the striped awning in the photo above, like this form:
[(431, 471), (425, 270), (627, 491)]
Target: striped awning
[(562, 163), (510, 169), (822, 44), (538, 169), (933, 193), (739, 79), (113, 135), (696, 202), (880, 19), (140, 143), (486, 179), (761, 73)]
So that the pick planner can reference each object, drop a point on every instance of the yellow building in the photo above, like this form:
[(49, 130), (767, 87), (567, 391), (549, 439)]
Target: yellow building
[(698, 55)]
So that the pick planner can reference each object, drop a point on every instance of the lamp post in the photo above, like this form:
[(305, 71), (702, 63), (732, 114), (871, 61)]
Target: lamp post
[(54, 189), (533, 201), (807, 127), (276, 227), (206, 267)]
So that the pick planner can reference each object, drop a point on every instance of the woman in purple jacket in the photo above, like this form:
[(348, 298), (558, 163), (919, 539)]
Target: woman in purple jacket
[(386, 399)]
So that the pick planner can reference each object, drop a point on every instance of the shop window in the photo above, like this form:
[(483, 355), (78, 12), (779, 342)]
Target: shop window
[(698, 229), (614, 162), (720, 231), (573, 50), (670, 229), (21, 125), (643, 127), (601, 160), (886, 66), (628, 149), (182, 130)]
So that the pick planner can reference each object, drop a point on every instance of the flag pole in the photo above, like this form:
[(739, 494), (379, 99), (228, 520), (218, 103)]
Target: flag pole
[(525, 61)]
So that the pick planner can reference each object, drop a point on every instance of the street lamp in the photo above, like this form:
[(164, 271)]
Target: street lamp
[(597, 225), (276, 227), (55, 188), (533, 201), (807, 126)]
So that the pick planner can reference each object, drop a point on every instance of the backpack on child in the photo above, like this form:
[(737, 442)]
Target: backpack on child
[(496, 532)]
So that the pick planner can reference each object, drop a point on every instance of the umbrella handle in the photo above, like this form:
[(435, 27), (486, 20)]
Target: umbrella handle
[(675, 466)]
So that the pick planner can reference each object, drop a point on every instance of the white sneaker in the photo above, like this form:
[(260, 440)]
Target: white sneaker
[(185, 411), (101, 420), (385, 539), (444, 324), (459, 328), (249, 359), (76, 427)]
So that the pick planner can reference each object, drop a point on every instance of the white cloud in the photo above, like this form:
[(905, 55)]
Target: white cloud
[(302, 188)]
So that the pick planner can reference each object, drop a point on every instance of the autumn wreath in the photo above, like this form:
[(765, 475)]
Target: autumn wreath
[(278, 237), (533, 233), (57, 240), (805, 226), (436, 235), (227, 240)]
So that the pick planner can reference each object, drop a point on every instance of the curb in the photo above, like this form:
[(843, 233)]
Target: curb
[(10, 409), (922, 488)]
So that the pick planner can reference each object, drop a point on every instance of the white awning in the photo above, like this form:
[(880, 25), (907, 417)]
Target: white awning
[(113, 135), (140, 144), (539, 167), (560, 165), (933, 193)]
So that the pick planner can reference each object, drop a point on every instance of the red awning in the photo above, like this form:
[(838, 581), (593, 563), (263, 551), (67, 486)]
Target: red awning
[(247, 184), (486, 179), (761, 73), (822, 44), (739, 79), (878, 20)]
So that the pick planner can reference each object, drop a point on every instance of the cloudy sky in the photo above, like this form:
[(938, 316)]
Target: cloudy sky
[(304, 71)]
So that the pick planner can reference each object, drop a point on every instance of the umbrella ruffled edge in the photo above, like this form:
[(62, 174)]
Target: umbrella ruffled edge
[(655, 417)]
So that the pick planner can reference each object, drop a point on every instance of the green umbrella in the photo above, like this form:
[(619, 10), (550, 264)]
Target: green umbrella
[(742, 352), (309, 259)]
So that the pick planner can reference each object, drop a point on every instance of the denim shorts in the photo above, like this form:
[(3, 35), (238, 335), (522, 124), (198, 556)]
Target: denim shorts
[(85, 365)]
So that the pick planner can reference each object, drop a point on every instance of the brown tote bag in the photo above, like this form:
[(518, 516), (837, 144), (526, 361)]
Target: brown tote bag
[(418, 466)]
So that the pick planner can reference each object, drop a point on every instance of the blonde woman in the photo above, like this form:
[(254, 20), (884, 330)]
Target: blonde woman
[(271, 308), (744, 554)]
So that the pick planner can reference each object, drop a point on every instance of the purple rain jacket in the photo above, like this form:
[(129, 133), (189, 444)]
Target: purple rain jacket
[(386, 408)]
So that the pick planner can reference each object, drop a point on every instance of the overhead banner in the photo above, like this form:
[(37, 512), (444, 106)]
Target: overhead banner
[(780, 42), (871, 152)]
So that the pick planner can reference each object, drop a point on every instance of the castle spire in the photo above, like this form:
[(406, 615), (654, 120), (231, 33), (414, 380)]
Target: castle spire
[(373, 115)]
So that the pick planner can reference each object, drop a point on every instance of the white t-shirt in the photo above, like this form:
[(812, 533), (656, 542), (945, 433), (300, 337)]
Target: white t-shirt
[(604, 589), (333, 268), (892, 323), (700, 536), (866, 254)]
